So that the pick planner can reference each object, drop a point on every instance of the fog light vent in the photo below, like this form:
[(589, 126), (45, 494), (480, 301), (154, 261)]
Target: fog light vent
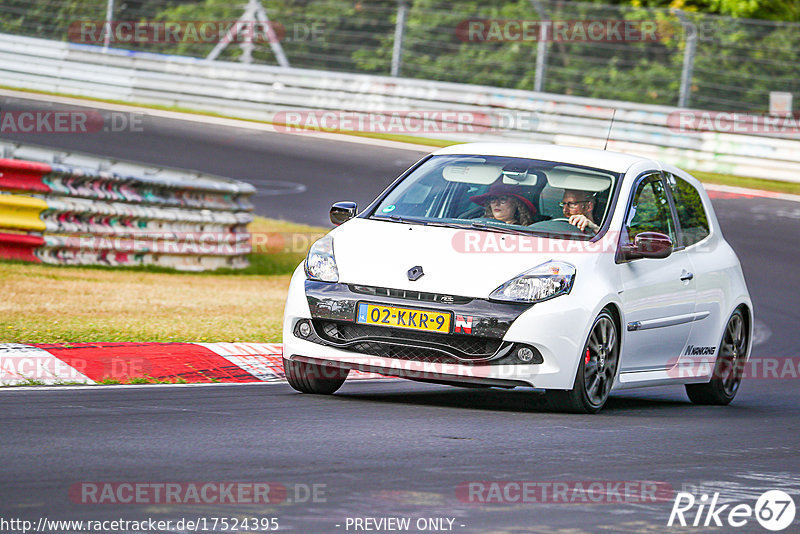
[(303, 328), (528, 354)]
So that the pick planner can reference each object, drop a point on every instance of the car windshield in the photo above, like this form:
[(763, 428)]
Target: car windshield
[(502, 194)]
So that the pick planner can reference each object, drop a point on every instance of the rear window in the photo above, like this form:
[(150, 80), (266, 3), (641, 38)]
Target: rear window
[(691, 213)]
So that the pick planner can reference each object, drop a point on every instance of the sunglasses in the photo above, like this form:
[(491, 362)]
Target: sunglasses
[(573, 204), (499, 200)]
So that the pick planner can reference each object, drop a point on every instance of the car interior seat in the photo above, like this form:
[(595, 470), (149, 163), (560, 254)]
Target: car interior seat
[(549, 200)]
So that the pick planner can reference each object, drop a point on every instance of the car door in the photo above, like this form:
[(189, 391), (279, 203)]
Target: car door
[(704, 253), (658, 295)]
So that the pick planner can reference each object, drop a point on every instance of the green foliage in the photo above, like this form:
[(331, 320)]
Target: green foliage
[(49, 20), (691, 214), (783, 10), (321, 34), (737, 63)]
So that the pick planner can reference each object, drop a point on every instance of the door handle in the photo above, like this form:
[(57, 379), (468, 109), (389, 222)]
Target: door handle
[(685, 277)]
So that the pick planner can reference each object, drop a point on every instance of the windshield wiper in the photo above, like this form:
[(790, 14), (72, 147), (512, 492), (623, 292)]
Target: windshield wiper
[(483, 226), (447, 224), (399, 219), (475, 225)]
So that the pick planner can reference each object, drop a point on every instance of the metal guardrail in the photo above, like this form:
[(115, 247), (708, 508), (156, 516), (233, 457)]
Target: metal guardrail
[(68, 208), (259, 92)]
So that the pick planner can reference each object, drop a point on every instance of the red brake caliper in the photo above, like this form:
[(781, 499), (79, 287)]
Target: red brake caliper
[(588, 356)]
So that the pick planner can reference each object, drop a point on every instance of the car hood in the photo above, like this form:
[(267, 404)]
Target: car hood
[(470, 263)]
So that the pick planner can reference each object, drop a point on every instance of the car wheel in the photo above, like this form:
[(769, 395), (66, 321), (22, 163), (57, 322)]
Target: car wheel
[(313, 378), (596, 371), (729, 367)]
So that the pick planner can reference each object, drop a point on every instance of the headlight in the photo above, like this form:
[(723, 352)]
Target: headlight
[(548, 280), (320, 263)]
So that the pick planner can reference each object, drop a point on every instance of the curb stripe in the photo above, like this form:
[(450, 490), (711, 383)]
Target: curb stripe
[(160, 361), (264, 361), (26, 364), (195, 363)]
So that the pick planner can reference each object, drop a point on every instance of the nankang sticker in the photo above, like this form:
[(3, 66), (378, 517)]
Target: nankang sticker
[(691, 350)]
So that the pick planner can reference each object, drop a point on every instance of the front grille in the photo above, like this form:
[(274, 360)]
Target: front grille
[(419, 296), (407, 344)]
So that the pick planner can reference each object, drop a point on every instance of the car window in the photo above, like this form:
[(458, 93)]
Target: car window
[(649, 211), (692, 215), (503, 192)]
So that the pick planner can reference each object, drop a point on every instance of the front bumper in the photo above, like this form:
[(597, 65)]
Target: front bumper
[(555, 328), (438, 374), (475, 337)]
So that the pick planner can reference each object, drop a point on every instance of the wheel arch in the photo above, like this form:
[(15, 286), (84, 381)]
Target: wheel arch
[(747, 314), (615, 309), (616, 313)]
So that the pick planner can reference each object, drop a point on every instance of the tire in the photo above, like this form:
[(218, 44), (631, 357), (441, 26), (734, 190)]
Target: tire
[(313, 378), (596, 370), (729, 367)]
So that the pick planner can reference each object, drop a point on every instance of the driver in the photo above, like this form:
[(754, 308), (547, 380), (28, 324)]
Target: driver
[(506, 203), (578, 206)]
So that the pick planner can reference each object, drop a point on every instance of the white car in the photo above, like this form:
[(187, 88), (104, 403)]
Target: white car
[(611, 273)]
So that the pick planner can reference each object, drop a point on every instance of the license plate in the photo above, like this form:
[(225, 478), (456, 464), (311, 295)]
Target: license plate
[(427, 320)]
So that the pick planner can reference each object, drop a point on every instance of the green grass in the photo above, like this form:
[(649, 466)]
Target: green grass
[(144, 380), (63, 304), (750, 183)]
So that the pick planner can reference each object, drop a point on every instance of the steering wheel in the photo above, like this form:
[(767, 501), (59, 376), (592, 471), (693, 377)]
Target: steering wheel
[(558, 225), (473, 213)]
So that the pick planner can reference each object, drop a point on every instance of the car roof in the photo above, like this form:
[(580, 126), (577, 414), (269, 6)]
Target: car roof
[(590, 157)]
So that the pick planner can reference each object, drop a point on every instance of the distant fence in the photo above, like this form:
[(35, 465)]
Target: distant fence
[(554, 46), (76, 209), (485, 113)]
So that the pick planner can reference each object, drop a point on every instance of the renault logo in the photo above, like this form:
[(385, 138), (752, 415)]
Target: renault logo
[(415, 273)]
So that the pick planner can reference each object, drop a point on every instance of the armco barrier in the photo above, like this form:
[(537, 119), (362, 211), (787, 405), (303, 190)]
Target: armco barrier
[(260, 91), (77, 209), (18, 212)]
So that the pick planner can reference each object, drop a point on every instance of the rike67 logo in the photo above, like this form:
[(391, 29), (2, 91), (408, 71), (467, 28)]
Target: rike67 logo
[(774, 510)]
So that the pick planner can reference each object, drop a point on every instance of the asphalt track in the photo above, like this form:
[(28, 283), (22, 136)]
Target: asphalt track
[(395, 448)]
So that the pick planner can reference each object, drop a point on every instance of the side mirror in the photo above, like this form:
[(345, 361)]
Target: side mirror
[(647, 245), (343, 211)]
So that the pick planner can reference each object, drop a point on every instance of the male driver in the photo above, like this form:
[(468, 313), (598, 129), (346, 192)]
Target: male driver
[(578, 206)]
